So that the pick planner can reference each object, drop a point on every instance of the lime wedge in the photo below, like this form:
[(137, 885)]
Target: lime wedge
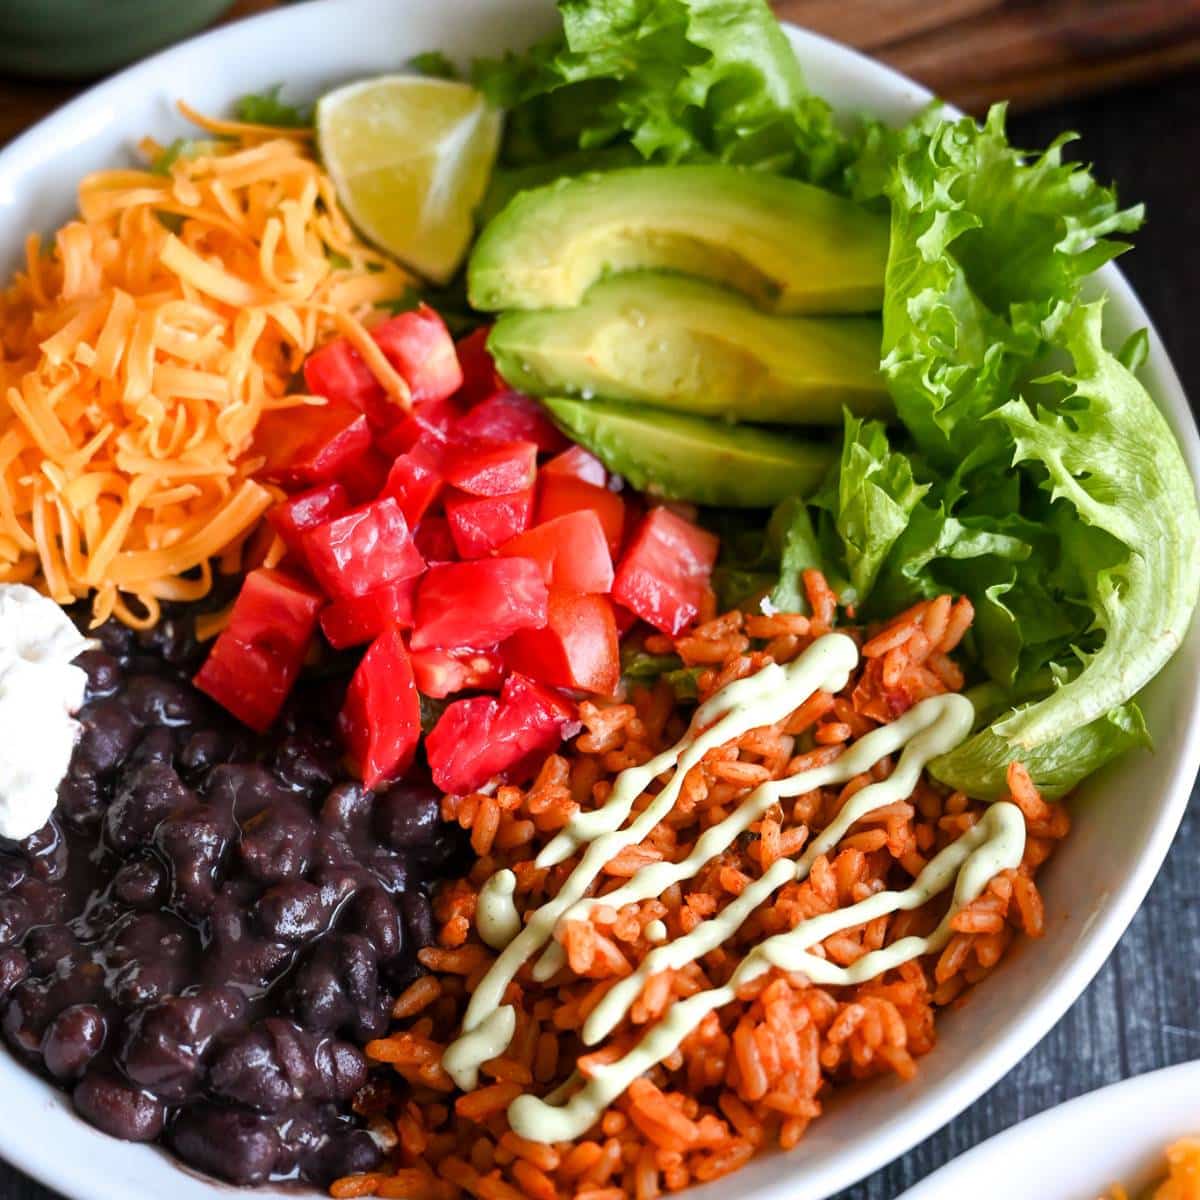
[(411, 158)]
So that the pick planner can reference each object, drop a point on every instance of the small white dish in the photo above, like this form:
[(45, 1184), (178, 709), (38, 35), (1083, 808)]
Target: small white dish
[(1126, 816), (1078, 1150)]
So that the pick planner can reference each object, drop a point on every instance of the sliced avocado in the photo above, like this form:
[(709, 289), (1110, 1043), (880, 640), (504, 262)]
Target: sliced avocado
[(682, 457), (788, 246), (687, 344)]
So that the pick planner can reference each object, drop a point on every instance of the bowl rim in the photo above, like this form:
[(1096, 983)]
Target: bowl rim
[(1129, 1108), (53, 139)]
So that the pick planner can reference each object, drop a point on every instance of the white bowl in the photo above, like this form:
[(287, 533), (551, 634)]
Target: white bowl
[(1126, 817), (1078, 1150)]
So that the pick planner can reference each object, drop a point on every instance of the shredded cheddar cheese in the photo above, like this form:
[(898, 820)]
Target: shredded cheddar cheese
[(140, 350)]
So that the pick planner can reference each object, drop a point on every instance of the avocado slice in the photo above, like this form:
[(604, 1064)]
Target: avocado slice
[(682, 457), (788, 246), (690, 345)]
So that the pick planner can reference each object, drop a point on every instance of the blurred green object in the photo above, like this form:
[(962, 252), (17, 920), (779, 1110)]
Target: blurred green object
[(77, 39)]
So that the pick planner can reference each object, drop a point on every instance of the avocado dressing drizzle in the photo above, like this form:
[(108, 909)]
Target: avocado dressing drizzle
[(930, 728)]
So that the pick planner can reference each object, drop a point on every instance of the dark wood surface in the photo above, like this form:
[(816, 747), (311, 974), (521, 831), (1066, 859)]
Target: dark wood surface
[(1143, 1010)]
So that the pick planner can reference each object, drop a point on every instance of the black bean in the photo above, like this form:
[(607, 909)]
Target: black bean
[(13, 870), (141, 884), (352, 1153), (80, 802), (247, 1072), (119, 1109), (145, 797), (157, 701), (73, 1039), (142, 983), (194, 843), (408, 814), (116, 639), (49, 945), (164, 1044), (46, 852), (374, 913), (293, 912), (306, 763), (242, 790), (205, 749), (34, 1003), (15, 919), (237, 1146), (418, 919), (154, 746), (109, 731), (277, 843), (14, 967), (347, 811), (103, 672), (172, 638)]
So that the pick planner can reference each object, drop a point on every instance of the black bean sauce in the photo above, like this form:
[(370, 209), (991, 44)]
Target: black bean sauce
[(212, 922)]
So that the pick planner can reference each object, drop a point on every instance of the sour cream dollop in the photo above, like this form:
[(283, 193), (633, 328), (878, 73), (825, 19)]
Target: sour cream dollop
[(40, 691)]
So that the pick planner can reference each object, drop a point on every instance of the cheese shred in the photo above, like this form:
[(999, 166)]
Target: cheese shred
[(140, 349)]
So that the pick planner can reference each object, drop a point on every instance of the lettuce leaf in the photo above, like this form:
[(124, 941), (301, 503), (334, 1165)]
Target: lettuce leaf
[(677, 80), (987, 245), (1124, 510), (871, 502), (266, 108)]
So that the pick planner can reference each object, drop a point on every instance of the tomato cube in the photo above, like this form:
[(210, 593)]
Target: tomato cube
[(571, 550), (292, 518), (559, 494), (437, 417), (310, 444), (478, 604), (367, 548), (513, 417), (480, 379), (380, 721), (480, 524), (255, 661), (357, 620), (486, 468), (577, 647), (435, 541), (664, 574), (365, 476), (478, 739), (420, 347), (338, 372), (579, 464), (439, 673), (416, 478)]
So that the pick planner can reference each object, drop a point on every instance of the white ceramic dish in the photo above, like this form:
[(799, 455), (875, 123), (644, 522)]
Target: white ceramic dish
[(1128, 815), (1078, 1150)]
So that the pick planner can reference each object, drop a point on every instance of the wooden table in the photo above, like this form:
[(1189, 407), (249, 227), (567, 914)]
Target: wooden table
[(1143, 1010)]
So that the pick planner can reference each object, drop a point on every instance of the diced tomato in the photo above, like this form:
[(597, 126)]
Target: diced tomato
[(435, 541), (420, 347), (380, 721), (292, 518), (254, 662), (480, 379), (440, 673), (416, 478), (311, 444), (626, 620), (367, 548), (475, 740), (365, 476), (577, 647), (513, 417), (438, 417), (478, 604), (338, 372), (664, 574), (558, 494), (571, 550), (486, 468), (357, 620), (479, 524), (579, 464)]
